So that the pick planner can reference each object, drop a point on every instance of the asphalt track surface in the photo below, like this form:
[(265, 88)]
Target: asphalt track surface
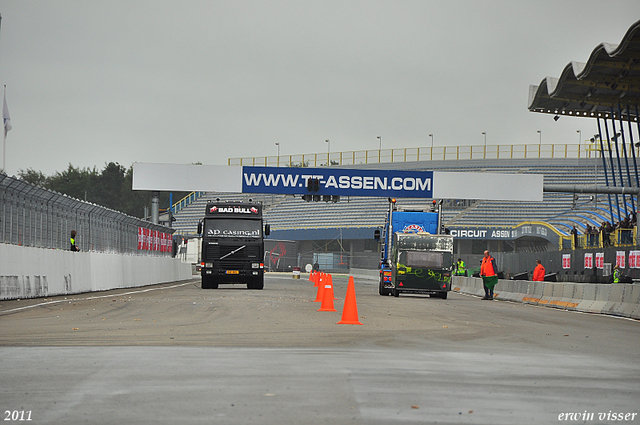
[(175, 353)]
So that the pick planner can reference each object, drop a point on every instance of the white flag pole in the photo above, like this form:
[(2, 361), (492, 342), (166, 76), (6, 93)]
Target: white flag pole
[(4, 144)]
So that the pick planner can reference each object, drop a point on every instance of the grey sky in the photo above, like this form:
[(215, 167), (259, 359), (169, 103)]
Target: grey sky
[(90, 82)]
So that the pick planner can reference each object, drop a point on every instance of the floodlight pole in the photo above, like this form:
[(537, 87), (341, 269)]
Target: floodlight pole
[(484, 133), (328, 152)]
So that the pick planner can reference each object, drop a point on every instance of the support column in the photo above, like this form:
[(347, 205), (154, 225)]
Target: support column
[(624, 150), (155, 212), (604, 164), (615, 140)]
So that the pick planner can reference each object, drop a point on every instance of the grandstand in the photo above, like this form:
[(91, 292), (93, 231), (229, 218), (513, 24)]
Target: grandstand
[(355, 218)]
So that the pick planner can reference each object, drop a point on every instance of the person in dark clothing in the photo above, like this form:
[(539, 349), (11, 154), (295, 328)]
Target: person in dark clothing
[(574, 232), (316, 267), (73, 242)]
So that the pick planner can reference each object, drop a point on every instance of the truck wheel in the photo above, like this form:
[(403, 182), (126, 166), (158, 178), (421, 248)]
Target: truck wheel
[(209, 283), (256, 285), (444, 295), (395, 292), (382, 290)]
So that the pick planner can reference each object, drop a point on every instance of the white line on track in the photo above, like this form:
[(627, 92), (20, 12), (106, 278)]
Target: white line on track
[(94, 298)]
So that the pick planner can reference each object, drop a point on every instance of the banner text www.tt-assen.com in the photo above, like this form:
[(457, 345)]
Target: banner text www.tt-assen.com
[(338, 181)]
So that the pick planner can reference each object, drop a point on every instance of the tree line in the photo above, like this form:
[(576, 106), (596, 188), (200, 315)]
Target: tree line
[(110, 187)]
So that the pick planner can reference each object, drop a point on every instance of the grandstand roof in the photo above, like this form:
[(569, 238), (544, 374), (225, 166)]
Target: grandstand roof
[(609, 78)]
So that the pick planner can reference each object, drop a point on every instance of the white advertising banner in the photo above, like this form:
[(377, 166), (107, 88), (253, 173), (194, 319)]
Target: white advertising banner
[(338, 181), (187, 178)]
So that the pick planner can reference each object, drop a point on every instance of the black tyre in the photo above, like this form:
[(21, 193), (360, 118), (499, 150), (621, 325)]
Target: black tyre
[(209, 283), (395, 292), (444, 295), (259, 284), (382, 290)]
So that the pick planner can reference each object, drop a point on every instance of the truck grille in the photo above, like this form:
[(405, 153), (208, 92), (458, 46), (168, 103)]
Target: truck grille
[(250, 253)]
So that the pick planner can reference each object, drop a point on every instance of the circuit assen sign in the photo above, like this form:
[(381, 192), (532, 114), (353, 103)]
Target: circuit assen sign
[(338, 181), (538, 230)]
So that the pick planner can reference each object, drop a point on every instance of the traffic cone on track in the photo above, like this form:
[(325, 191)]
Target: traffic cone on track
[(350, 310), (320, 285), (327, 299)]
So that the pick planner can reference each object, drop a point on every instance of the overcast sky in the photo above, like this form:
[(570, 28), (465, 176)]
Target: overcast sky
[(92, 81)]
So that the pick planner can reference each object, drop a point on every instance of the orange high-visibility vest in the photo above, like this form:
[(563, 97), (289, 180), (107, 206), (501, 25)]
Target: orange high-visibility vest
[(486, 269), (538, 273)]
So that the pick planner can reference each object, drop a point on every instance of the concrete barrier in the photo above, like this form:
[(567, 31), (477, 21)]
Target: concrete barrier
[(615, 299), (534, 292), (28, 272), (514, 290)]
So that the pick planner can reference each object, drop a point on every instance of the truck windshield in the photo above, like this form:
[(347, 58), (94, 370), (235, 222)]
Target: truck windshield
[(425, 259), (231, 228)]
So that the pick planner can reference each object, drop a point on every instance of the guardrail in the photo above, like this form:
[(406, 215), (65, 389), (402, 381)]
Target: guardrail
[(184, 202), (376, 156), (617, 238)]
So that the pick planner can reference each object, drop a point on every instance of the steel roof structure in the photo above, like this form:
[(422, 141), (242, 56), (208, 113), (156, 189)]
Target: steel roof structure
[(606, 86)]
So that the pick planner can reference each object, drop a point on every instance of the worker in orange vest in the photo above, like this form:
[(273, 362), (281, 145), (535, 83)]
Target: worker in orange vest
[(538, 272), (489, 274)]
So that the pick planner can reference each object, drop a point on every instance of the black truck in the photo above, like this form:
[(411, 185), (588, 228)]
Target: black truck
[(232, 244)]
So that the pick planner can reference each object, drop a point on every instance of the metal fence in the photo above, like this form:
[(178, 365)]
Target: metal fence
[(33, 216), (376, 156)]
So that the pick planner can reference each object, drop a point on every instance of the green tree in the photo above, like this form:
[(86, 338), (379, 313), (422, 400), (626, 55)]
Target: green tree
[(34, 177), (78, 183), (111, 188)]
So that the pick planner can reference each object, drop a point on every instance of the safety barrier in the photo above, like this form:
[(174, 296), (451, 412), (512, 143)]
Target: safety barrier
[(28, 272), (33, 216), (458, 152), (617, 299)]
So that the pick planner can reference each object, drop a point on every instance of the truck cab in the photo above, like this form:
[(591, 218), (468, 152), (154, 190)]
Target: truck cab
[(422, 264), (232, 244), (415, 256)]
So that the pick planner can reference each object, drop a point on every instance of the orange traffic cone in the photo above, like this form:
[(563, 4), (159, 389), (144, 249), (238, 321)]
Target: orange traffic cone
[(350, 310), (316, 279), (320, 285), (327, 299), (311, 275)]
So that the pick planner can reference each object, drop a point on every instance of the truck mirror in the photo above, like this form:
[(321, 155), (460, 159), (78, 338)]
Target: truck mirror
[(267, 229), (376, 234), (199, 227)]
